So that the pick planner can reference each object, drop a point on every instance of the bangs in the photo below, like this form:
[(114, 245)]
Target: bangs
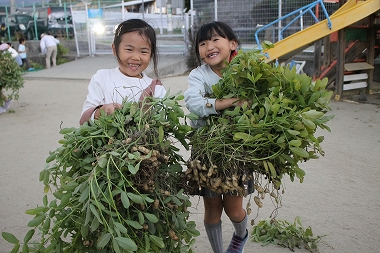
[(207, 31)]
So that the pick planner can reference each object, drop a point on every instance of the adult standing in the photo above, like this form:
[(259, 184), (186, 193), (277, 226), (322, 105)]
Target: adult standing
[(48, 45)]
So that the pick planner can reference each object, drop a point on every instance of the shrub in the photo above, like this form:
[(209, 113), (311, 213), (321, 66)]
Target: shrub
[(11, 79)]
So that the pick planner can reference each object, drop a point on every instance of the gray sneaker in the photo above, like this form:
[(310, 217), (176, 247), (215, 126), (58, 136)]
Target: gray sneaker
[(237, 244), (2, 110)]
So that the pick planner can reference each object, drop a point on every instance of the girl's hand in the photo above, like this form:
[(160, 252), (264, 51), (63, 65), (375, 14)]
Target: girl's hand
[(107, 108), (221, 104)]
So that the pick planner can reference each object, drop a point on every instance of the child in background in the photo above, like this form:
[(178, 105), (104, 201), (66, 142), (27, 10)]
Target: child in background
[(22, 52), (134, 46), (14, 54), (215, 44)]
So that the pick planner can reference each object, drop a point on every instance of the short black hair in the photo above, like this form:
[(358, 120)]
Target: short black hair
[(145, 30), (206, 31)]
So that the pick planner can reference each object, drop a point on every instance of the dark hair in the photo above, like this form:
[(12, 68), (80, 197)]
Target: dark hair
[(145, 30), (21, 40), (206, 31)]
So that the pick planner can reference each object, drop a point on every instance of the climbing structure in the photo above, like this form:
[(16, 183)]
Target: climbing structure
[(344, 54)]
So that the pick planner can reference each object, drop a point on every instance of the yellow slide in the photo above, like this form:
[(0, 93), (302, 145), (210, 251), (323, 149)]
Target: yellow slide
[(351, 12)]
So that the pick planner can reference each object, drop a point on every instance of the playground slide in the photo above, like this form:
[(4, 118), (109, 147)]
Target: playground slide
[(351, 12)]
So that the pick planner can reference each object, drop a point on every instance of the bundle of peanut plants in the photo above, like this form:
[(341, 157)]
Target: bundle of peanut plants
[(11, 80), (116, 186), (265, 138)]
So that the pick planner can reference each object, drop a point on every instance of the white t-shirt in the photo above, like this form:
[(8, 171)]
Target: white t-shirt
[(111, 86), (21, 48), (200, 82)]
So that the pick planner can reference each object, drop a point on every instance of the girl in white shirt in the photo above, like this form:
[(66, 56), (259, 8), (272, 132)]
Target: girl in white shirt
[(134, 46)]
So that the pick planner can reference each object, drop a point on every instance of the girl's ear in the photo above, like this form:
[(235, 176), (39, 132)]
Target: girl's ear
[(233, 45), (113, 49)]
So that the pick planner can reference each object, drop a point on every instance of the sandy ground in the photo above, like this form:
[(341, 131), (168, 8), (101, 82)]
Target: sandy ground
[(339, 197)]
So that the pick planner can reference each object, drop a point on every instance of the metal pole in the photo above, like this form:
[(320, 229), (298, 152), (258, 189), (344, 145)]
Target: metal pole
[(216, 10), (35, 22), (143, 8), (88, 31), (162, 21), (75, 33), (67, 27), (192, 13), (122, 10), (169, 14), (279, 18), (6, 22)]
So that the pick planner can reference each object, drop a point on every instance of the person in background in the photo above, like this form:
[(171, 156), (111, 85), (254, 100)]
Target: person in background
[(216, 44), (48, 45), (134, 46), (14, 54), (22, 52)]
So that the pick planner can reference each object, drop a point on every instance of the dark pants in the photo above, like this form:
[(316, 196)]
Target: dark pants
[(25, 63)]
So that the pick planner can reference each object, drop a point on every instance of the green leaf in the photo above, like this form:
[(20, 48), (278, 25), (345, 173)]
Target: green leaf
[(158, 241), (192, 116), (141, 217), (25, 248), (37, 210), (313, 114), (272, 169), (160, 134), (15, 248), (9, 238), (151, 217), (51, 157), (45, 200), (134, 224), (126, 243), (103, 240), (135, 198), (293, 132), (84, 195), (112, 131), (29, 235), (133, 169), (116, 247), (95, 212), (120, 227), (102, 162), (36, 221), (243, 136), (300, 152), (295, 143), (125, 200)]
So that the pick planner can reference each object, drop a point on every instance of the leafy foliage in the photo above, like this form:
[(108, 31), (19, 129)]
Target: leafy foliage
[(116, 185), (10, 76), (286, 234), (271, 133), (61, 52)]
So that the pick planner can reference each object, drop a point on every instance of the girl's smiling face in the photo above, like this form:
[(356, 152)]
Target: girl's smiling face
[(216, 51), (134, 54)]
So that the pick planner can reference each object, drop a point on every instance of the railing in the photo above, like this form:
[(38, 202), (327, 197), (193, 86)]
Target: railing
[(301, 12)]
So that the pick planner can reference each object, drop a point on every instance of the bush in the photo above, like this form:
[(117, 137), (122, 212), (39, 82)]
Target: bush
[(62, 51), (10, 77)]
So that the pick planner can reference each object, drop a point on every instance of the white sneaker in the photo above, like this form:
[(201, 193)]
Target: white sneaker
[(7, 104), (2, 110)]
